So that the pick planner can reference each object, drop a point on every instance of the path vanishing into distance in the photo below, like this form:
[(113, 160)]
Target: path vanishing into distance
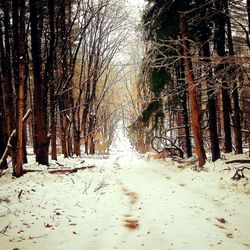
[(127, 201)]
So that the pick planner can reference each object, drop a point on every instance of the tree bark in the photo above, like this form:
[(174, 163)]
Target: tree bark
[(15, 28), (212, 111), (40, 87), (198, 137), (220, 47), (185, 111), (12, 140), (18, 171), (3, 132), (233, 76), (248, 15), (8, 92), (50, 76)]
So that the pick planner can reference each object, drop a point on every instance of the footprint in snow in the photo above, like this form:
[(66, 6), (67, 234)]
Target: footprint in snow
[(128, 221)]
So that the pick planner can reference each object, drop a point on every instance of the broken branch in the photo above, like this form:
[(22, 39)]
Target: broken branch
[(11, 139), (69, 171), (239, 173), (238, 161)]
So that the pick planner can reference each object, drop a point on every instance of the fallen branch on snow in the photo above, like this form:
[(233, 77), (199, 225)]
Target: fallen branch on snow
[(69, 171), (239, 173), (3, 231), (172, 148), (238, 161)]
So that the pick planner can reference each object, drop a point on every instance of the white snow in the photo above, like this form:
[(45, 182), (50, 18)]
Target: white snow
[(127, 202)]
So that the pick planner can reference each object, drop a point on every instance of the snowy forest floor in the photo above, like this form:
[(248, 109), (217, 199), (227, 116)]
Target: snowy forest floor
[(127, 201)]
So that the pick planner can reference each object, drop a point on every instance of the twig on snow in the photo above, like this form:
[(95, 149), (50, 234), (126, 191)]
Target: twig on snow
[(87, 186), (37, 237), (101, 184), (59, 164), (20, 193), (3, 231), (226, 169)]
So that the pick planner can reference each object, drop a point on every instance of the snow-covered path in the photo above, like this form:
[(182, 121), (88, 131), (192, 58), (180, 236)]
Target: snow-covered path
[(140, 204)]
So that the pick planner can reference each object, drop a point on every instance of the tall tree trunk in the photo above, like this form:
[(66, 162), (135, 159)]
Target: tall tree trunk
[(77, 135), (233, 77), (50, 76), (15, 18), (3, 132), (198, 137), (53, 121), (212, 111), (185, 111), (220, 47), (40, 88), (18, 171), (25, 108), (8, 92), (92, 121), (248, 15)]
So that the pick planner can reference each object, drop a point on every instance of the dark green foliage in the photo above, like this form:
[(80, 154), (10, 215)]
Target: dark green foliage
[(159, 77), (160, 19), (153, 107)]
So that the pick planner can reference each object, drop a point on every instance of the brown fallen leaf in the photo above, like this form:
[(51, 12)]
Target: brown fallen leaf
[(48, 225), (221, 220)]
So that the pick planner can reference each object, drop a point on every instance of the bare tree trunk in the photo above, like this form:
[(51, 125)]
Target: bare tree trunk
[(77, 139), (212, 122), (248, 15), (198, 137), (3, 132), (25, 108), (92, 123), (40, 88), (85, 127), (185, 110), (63, 136), (18, 171), (220, 47), (11, 144), (8, 92), (53, 121), (233, 74), (50, 76)]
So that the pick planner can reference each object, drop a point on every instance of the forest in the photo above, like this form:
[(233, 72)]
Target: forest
[(103, 85), (59, 64)]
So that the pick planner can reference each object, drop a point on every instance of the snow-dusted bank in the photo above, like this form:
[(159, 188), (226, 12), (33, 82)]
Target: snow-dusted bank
[(128, 201)]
